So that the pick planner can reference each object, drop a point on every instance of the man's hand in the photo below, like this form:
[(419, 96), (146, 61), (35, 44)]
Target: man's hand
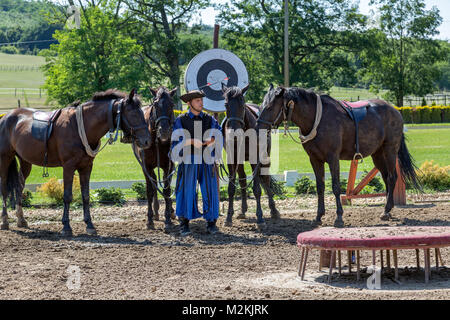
[(197, 143)]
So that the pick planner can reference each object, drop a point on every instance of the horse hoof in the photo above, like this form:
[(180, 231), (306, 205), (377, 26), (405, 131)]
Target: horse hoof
[(168, 228), (275, 215), (317, 222), (261, 225), (67, 233), (385, 217), (338, 223), (228, 223), (4, 226), (150, 226), (22, 224), (91, 232), (241, 216), (156, 217)]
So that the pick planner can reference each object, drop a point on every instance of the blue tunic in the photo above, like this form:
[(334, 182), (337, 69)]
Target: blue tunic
[(197, 171)]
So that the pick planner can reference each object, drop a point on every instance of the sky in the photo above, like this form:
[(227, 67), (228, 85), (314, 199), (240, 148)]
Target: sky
[(208, 15)]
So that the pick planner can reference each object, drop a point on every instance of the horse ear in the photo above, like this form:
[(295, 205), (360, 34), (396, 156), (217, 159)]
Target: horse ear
[(152, 91), (173, 92), (271, 87), (132, 93), (224, 87), (279, 91), (244, 90)]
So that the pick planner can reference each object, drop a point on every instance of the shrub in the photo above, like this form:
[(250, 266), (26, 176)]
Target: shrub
[(406, 114), (436, 114), (223, 193), (27, 196), (435, 177), (54, 190), (446, 114), (140, 189), (377, 183), (279, 189), (111, 196), (329, 185), (9, 50), (305, 185)]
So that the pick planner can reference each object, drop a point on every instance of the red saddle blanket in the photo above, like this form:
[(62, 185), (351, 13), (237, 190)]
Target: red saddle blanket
[(357, 104)]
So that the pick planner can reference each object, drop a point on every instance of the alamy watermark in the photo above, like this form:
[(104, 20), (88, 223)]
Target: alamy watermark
[(73, 282), (250, 145)]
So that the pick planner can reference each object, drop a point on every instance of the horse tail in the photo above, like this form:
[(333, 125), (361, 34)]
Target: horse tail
[(13, 184), (276, 188), (408, 168)]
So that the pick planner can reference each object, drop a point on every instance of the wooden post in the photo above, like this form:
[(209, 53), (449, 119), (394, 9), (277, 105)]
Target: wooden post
[(427, 265), (340, 261), (350, 183), (437, 258), (304, 263), (358, 272), (301, 262), (395, 264), (333, 256), (388, 260), (418, 259), (349, 258)]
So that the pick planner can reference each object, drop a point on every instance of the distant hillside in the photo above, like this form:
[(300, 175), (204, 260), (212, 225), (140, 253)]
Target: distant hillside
[(23, 21)]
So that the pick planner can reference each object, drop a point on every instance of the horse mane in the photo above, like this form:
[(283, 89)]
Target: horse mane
[(109, 94), (296, 94), (233, 92)]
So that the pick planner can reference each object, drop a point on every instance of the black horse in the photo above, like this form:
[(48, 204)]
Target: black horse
[(380, 136), (241, 116), (159, 117)]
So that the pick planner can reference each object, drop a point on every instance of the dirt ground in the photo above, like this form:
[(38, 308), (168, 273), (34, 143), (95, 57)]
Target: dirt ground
[(126, 261)]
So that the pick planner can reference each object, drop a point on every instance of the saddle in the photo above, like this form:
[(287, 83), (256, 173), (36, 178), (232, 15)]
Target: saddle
[(357, 111), (42, 128)]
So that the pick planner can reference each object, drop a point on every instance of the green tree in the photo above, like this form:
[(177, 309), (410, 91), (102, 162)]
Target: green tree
[(158, 26), (95, 57), (321, 34), (403, 59)]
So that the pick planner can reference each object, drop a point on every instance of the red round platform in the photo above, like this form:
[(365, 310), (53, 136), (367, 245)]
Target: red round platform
[(375, 238)]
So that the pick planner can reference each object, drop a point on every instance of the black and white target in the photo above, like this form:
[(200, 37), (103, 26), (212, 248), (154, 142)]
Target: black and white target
[(208, 70)]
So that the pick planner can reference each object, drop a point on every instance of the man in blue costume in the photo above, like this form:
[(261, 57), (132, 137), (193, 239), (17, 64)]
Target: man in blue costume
[(195, 146)]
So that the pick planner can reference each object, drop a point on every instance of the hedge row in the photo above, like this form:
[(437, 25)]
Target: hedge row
[(425, 114)]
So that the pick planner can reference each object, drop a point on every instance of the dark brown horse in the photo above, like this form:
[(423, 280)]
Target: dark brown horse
[(380, 136), (239, 116), (65, 147), (159, 117)]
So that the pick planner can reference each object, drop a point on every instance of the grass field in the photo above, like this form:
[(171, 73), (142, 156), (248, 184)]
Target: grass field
[(117, 162)]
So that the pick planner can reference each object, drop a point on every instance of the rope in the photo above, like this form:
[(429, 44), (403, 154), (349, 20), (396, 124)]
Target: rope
[(82, 134), (317, 119)]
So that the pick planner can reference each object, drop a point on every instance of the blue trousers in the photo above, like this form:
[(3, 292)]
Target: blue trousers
[(186, 192)]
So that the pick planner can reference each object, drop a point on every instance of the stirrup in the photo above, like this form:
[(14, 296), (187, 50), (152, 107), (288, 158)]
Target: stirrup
[(360, 156)]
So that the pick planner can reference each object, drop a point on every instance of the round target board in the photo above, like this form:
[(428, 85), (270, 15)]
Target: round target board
[(208, 70)]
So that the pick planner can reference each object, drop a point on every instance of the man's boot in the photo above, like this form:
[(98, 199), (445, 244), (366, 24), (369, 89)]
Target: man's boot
[(184, 227), (211, 227)]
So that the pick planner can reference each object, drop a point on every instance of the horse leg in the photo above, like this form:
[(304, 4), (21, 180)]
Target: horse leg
[(68, 172), (85, 175), (243, 184), (333, 163), (384, 161), (319, 172), (257, 193), (25, 169), (155, 206), (231, 192), (4, 165), (167, 191), (150, 194), (265, 180)]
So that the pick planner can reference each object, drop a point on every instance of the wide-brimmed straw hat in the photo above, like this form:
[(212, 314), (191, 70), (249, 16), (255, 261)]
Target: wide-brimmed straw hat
[(192, 95)]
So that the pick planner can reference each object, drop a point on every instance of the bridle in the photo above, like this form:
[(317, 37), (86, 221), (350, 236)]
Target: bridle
[(289, 106), (120, 122)]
